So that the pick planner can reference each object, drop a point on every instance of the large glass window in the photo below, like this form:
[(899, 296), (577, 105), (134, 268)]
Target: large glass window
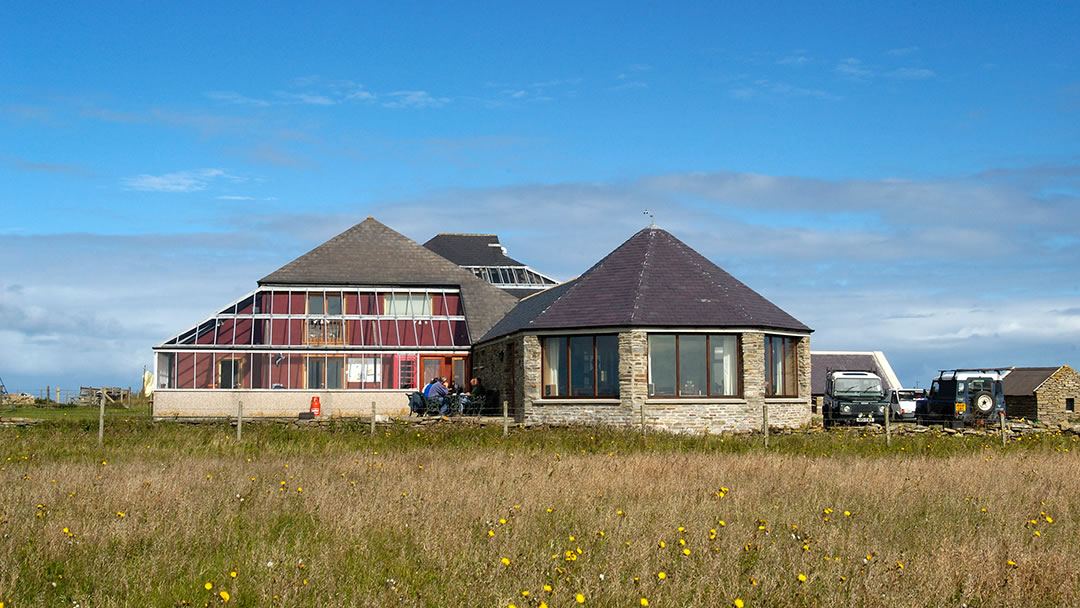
[(694, 365), (781, 366), (581, 366), (407, 305)]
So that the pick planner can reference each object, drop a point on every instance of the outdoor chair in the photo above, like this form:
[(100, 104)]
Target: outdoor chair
[(474, 406)]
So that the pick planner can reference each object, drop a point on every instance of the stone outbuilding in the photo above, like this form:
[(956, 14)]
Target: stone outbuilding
[(656, 330), (1048, 394)]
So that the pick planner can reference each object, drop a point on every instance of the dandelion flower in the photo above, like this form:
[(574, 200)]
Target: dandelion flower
[(847, 513), (505, 561), (525, 593), (543, 605), (686, 551), (643, 602), (491, 533), (802, 578), (208, 586), (233, 574), (224, 596), (1049, 519), (661, 575), (579, 598), (738, 603)]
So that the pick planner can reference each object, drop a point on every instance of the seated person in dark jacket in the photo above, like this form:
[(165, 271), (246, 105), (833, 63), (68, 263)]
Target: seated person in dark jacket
[(437, 390)]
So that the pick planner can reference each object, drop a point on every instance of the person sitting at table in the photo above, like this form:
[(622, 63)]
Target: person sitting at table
[(429, 386), (437, 390)]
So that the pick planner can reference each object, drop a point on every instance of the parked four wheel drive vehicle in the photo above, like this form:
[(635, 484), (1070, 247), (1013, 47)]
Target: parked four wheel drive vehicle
[(964, 397), (903, 400), (854, 397)]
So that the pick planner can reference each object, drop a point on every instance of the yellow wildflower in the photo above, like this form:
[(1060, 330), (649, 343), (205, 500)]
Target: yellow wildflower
[(505, 561), (224, 596), (802, 578), (579, 598), (208, 586)]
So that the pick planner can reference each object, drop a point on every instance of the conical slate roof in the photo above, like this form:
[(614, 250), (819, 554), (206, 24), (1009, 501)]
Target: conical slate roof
[(651, 280), (372, 254)]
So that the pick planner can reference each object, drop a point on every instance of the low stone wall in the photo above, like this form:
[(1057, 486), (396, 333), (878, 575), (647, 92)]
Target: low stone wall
[(280, 404), (712, 417)]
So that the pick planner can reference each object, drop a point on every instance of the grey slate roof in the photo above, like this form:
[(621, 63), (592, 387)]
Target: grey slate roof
[(821, 363), (370, 253), (471, 249), (651, 280), (1022, 381)]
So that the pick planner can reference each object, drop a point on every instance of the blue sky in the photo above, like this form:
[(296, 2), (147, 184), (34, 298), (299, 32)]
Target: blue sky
[(903, 179)]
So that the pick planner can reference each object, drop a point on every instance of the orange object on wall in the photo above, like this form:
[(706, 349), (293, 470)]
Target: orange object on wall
[(316, 407)]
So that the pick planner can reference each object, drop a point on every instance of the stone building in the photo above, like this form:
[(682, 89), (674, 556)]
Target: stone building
[(1048, 394), (653, 329)]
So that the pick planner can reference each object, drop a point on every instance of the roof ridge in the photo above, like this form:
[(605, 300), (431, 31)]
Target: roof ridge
[(645, 259)]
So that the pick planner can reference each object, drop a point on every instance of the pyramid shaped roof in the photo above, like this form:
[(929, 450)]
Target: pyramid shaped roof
[(651, 280), (372, 254)]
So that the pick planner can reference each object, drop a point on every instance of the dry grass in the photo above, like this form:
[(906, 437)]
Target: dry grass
[(415, 518)]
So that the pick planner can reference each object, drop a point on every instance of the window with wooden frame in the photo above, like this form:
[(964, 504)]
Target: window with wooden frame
[(325, 372), (695, 365), (326, 331), (230, 372), (580, 366), (781, 366)]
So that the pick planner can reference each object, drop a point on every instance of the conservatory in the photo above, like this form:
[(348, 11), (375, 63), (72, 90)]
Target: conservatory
[(364, 318)]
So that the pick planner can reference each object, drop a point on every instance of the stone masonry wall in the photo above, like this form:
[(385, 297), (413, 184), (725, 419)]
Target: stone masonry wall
[(691, 415), (1063, 384), (492, 364)]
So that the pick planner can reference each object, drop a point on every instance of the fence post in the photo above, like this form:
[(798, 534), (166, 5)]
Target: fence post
[(240, 420), (1001, 418), (506, 419), (643, 419), (373, 418), (58, 394), (101, 421), (888, 434), (765, 423)]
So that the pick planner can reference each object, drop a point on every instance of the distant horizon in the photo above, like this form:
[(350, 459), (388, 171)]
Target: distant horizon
[(902, 179)]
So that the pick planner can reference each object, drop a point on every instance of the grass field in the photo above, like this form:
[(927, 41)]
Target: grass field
[(174, 515)]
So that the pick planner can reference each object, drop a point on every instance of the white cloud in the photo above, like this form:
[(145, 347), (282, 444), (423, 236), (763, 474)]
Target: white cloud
[(180, 181), (852, 68), (414, 99), (234, 97), (890, 264), (308, 98), (911, 73)]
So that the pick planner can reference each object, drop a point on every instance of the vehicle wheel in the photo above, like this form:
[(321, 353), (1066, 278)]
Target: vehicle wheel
[(983, 402)]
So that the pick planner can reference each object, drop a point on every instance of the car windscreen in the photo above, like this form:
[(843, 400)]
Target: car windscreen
[(857, 386), (944, 389)]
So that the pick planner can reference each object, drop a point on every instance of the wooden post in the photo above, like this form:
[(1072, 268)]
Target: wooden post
[(642, 419), (58, 394), (1001, 418), (48, 392), (765, 423), (240, 420), (101, 421), (372, 418), (888, 434), (506, 418)]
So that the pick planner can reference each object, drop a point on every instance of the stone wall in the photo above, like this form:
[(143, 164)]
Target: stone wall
[(282, 404), (499, 367), (691, 415), (1061, 385)]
